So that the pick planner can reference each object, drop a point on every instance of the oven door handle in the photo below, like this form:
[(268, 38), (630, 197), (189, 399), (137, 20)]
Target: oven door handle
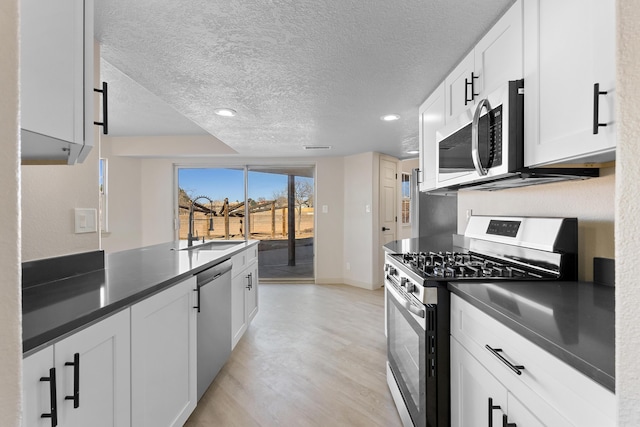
[(413, 309), (406, 304), (475, 136)]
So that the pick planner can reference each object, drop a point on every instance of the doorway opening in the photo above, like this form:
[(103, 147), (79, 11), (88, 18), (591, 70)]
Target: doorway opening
[(281, 206), (272, 204)]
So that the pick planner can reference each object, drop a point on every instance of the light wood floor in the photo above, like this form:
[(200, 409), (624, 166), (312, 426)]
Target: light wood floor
[(313, 356)]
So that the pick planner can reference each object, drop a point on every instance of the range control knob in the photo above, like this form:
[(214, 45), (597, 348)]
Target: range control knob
[(410, 286), (392, 271), (403, 281)]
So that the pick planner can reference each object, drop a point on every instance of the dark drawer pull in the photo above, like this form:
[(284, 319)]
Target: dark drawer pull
[(496, 352), (596, 108), (76, 380), (492, 407), (197, 289), (471, 83), (506, 423), (54, 399), (105, 109)]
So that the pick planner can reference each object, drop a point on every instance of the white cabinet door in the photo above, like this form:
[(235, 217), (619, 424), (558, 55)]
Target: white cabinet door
[(252, 292), (163, 357), (569, 47), (244, 291), (458, 90), (432, 117), (473, 390), (37, 393), (498, 55), (92, 378), (56, 79), (521, 416), (97, 391), (239, 305)]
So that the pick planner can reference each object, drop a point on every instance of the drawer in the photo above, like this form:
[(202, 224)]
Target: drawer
[(243, 259), (239, 262), (578, 398)]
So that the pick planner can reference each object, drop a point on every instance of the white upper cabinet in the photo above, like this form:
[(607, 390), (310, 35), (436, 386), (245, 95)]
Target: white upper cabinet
[(496, 59), (56, 80), (569, 48), (498, 56), (432, 117), (459, 90)]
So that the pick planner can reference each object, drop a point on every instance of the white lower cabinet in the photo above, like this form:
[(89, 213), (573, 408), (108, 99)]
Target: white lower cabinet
[(89, 374), (163, 357), (473, 390), (244, 291), (547, 392), (478, 398)]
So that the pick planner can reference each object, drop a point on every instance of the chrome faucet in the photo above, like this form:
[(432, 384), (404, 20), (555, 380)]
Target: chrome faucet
[(190, 238)]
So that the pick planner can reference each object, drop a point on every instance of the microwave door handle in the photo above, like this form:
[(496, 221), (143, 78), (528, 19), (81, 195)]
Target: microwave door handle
[(475, 153)]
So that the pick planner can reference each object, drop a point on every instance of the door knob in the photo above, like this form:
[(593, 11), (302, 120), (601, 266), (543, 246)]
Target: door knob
[(385, 229)]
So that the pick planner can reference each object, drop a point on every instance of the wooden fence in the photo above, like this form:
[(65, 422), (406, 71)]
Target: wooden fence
[(266, 221)]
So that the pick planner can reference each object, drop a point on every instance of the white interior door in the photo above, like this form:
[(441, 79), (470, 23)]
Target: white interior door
[(388, 205)]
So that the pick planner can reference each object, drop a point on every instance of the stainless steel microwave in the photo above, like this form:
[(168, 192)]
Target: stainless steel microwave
[(484, 147), (485, 142)]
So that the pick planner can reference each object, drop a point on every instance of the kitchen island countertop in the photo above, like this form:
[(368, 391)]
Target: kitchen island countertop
[(53, 310)]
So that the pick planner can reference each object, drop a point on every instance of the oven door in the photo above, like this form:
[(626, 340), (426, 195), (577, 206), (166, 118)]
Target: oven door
[(407, 352)]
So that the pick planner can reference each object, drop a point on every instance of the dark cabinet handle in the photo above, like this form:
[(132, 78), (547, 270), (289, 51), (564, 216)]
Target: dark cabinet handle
[(492, 407), (105, 109), (250, 281), (471, 83), (496, 352), (596, 108), (197, 290), (506, 423), (76, 380), (385, 229), (54, 399)]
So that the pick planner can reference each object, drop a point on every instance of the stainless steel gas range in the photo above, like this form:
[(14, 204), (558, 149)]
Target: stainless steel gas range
[(417, 299)]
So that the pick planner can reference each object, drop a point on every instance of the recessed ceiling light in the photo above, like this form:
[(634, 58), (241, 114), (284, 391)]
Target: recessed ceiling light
[(413, 152), (390, 117), (225, 112)]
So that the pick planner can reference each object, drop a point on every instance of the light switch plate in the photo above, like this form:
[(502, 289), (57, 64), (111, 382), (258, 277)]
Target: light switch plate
[(86, 220)]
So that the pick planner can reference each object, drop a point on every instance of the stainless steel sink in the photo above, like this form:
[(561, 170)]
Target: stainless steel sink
[(212, 246)]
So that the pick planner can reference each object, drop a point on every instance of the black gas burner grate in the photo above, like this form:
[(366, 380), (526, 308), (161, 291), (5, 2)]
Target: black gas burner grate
[(459, 265)]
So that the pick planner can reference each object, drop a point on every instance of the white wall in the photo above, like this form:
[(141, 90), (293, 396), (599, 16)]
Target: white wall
[(10, 305), (591, 201), (49, 195), (124, 181), (149, 191), (358, 238), (628, 215)]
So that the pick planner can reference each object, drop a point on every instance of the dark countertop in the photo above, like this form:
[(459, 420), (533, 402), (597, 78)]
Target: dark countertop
[(434, 243), (574, 321), (53, 310)]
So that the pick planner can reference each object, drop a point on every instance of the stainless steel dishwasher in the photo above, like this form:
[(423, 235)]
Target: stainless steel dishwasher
[(214, 322)]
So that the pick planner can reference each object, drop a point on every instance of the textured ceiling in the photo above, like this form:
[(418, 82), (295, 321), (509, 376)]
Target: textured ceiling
[(299, 73)]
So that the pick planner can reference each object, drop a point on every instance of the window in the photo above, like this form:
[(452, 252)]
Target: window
[(102, 183), (406, 198), (214, 200)]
